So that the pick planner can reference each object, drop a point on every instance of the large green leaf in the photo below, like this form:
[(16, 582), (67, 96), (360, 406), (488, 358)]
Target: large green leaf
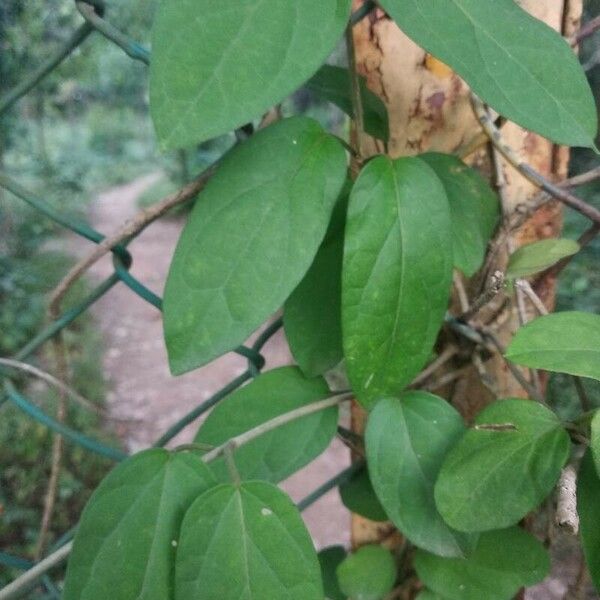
[(312, 314), (502, 468), (407, 441), (595, 439), (516, 63), (126, 540), (474, 209), (368, 574), (279, 453), (566, 342), (217, 65), (533, 258), (397, 273), (358, 496), (250, 239), (245, 542), (329, 560), (334, 84), (588, 507), (502, 562)]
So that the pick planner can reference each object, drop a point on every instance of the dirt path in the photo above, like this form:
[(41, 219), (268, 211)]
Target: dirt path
[(135, 360)]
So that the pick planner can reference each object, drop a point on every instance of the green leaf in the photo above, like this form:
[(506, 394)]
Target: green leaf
[(429, 595), (329, 559), (474, 209), (396, 276), (502, 468), (503, 562), (281, 452), (359, 497), (565, 342), (217, 66), (246, 542), (252, 235), (126, 540), (407, 441), (312, 314), (538, 256), (368, 574), (514, 62), (588, 507), (595, 439), (334, 85)]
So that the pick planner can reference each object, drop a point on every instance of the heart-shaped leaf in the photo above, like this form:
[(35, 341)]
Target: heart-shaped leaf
[(368, 574), (281, 452), (246, 541), (517, 64), (396, 276), (565, 342), (126, 540), (502, 562), (537, 256), (312, 314), (407, 441), (474, 209), (502, 468), (250, 239), (334, 84), (588, 508), (218, 65)]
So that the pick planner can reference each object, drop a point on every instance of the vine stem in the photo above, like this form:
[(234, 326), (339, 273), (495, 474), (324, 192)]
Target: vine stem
[(17, 587)]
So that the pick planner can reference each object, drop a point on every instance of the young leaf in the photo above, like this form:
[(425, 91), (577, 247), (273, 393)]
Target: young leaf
[(359, 497), (279, 453), (311, 315), (368, 574), (334, 85), (517, 64), (217, 66), (245, 541), (126, 540), (537, 256), (566, 342), (588, 507), (502, 468), (502, 562), (250, 239), (595, 440), (407, 441), (474, 209), (396, 275), (329, 560)]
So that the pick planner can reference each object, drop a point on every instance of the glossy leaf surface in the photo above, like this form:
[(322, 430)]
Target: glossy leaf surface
[(503, 467), (368, 574), (219, 65), (246, 542), (252, 235), (397, 273), (407, 441)]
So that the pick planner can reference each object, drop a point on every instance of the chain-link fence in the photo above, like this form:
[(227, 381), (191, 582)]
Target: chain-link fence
[(93, 12)]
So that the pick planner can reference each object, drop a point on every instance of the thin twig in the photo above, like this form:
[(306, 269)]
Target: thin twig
[(459, 286), (131, 228), (494, 287), (586, 405), (528, 172), (357, 106), (526, 288), (448, 353), (586, 31)]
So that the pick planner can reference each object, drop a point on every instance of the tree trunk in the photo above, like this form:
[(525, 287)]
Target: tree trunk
[(429, 109)]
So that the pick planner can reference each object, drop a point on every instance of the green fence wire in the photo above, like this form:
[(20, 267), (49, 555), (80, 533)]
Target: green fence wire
[(93, 12)]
